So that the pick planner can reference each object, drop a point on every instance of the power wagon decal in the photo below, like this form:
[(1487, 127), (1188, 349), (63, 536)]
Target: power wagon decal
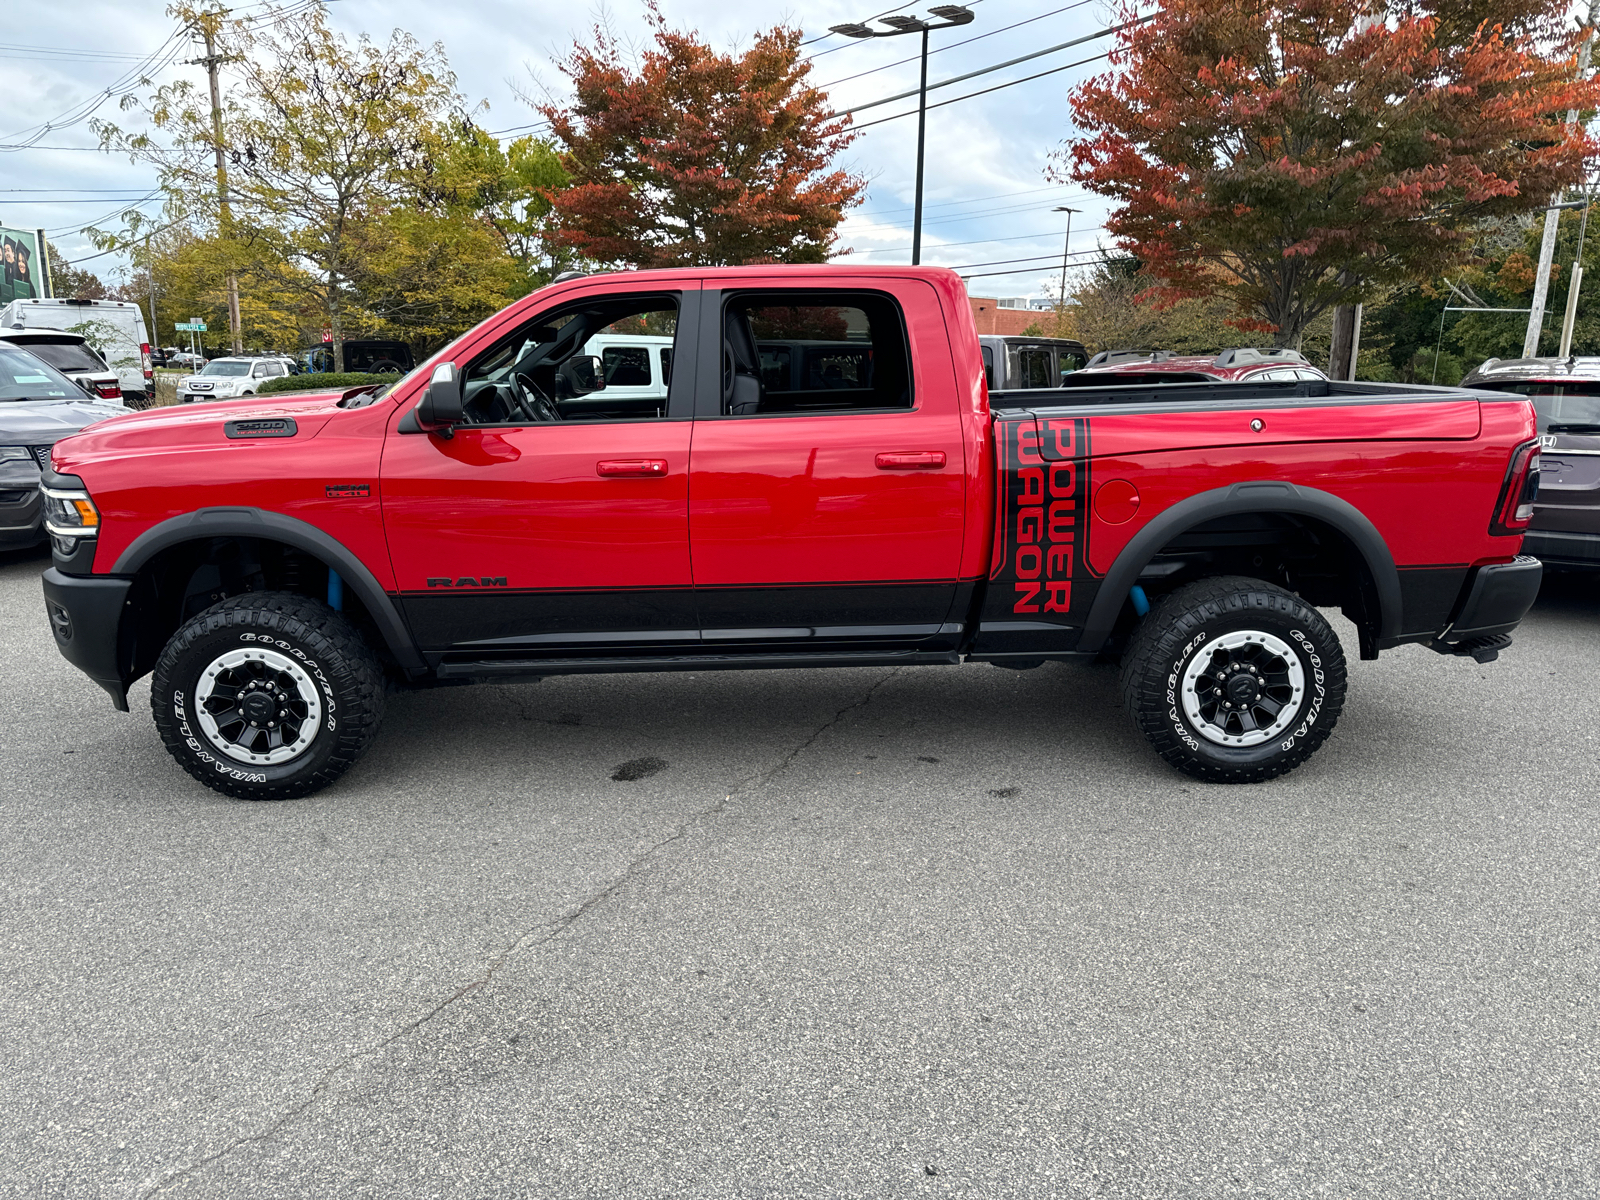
[(1040, 574)]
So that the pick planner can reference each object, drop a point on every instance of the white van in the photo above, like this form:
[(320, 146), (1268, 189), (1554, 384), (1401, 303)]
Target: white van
[(634, 364), (115, 328)]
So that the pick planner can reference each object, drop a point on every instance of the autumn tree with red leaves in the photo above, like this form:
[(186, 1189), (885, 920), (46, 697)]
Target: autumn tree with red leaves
[(688, 157), (1297, 155)]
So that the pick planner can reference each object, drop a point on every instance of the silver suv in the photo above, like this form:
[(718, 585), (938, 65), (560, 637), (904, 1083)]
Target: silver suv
[(230, 378), (1566, 399)]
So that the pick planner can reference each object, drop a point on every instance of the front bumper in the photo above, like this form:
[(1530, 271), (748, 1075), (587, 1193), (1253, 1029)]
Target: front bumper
[(85, 615), (1566, 549), (1496, 599), (20, 515)]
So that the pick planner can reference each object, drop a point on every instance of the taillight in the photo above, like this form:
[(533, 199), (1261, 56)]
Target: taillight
[(109, 391), (1513, 510), (144, 357)]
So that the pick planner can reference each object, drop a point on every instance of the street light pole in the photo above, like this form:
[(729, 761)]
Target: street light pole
[(1066, 248), (950, 16)]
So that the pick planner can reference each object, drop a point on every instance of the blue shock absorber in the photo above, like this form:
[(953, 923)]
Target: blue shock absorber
[(335, 591), (1141, 602)]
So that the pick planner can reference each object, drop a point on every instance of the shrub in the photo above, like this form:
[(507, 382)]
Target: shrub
[(328, 381)]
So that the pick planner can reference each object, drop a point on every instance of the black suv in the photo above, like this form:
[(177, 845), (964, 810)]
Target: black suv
[(362, 354), (1566, 397)]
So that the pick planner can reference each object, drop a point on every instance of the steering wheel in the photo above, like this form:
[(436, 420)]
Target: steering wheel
[(531, 402)]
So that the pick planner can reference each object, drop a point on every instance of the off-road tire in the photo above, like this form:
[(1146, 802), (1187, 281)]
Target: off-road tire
[(348, 686), (1180, 626)]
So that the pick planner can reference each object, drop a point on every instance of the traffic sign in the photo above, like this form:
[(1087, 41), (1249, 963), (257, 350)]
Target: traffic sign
[(190, 326)]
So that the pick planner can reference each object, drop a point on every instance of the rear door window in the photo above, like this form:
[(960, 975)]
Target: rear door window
[(988, 366), (1036, 369), (66, 355), (814, 352), (626, 366)]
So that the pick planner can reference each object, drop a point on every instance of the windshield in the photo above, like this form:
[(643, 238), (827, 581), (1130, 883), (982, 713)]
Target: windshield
[(1568, 403), (25, 377), (226, 368)]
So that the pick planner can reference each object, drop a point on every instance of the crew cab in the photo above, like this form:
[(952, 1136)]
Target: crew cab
[(499, 514)]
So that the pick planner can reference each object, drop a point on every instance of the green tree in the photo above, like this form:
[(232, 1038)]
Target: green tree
[(323, 138)]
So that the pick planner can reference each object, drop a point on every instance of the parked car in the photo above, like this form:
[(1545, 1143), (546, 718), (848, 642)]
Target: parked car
[(371, 355), (1017, 361), (38, 405), (1566, 398), (1243, 364), (115, 328), (229, 378), (71, 354), (185, 358), (497, 515)]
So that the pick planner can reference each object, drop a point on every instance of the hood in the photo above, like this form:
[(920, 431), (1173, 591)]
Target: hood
[(188, 426), (40, 422)]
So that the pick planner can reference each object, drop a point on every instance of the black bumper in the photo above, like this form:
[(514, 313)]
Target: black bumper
[(1567, 549), (86, 618), (1497, 598)]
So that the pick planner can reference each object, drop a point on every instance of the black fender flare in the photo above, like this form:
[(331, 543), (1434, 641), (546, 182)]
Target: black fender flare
[(271, 526), (1258, 496)]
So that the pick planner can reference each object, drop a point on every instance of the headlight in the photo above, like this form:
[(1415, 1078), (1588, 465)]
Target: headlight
[(69, 514), (7, 453)]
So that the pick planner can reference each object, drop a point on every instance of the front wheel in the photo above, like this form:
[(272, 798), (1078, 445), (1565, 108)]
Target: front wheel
[(1234, 680), (267, 696)]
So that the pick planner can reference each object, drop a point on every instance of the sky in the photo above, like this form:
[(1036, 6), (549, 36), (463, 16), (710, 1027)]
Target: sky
[(987, 199)]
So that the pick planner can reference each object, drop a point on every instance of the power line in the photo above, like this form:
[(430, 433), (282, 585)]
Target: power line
[(1006, 210), (946, 204), (985, 91), (998, 262), (1010, 62), (953, 45), (1021, 237), (1018, 271)]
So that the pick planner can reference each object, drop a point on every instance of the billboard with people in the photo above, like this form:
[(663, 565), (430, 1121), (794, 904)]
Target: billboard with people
[(24, 270)]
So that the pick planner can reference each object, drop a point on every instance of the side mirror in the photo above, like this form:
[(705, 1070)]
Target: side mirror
[(441, 405), (582, 374)]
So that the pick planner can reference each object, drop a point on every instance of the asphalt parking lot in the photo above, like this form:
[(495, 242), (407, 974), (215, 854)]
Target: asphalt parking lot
[(866, 933)]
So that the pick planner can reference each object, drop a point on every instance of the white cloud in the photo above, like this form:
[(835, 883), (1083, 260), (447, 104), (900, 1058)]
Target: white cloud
[(980, 152)]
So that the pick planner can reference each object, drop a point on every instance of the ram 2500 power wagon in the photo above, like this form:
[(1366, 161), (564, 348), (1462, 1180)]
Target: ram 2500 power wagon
[(824, 480)]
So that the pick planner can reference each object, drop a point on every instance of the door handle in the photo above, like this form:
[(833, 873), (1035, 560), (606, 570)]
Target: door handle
[(911, 460), (631, 468)]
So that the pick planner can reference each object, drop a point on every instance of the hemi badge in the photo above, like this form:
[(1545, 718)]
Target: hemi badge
[(267, 427), (348, 491)]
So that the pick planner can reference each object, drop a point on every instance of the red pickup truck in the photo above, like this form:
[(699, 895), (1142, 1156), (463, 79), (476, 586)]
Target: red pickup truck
[(795, 467)]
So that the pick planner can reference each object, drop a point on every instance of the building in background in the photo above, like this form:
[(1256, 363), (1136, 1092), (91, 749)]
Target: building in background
[(1007, 315)]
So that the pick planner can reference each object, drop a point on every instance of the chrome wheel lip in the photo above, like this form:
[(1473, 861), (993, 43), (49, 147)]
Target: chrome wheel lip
[(1199, 665), (305, 692)]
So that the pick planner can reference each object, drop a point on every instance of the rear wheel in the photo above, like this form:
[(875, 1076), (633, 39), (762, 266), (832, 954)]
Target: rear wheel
[(1234, 680), (267, 696)]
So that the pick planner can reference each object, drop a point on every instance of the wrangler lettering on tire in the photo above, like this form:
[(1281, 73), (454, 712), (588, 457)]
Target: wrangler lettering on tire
[(1234, 680), (267, 696)]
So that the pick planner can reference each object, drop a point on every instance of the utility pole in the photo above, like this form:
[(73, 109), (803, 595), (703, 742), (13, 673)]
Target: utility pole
[(1552, 216), (1066, 258), (211, 62), (950, 15)]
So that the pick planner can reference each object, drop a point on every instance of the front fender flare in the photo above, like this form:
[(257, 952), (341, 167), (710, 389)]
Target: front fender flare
[(1262, 496), (271, 526)]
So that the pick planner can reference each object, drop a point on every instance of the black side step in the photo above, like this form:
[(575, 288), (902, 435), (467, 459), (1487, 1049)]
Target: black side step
[(494, 669), (1479, 649)]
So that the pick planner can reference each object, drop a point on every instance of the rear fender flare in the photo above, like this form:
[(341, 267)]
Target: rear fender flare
[(271, 526), (1262, 496)]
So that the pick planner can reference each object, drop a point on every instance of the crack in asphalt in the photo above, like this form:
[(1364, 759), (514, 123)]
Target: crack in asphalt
[(539, 935)]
